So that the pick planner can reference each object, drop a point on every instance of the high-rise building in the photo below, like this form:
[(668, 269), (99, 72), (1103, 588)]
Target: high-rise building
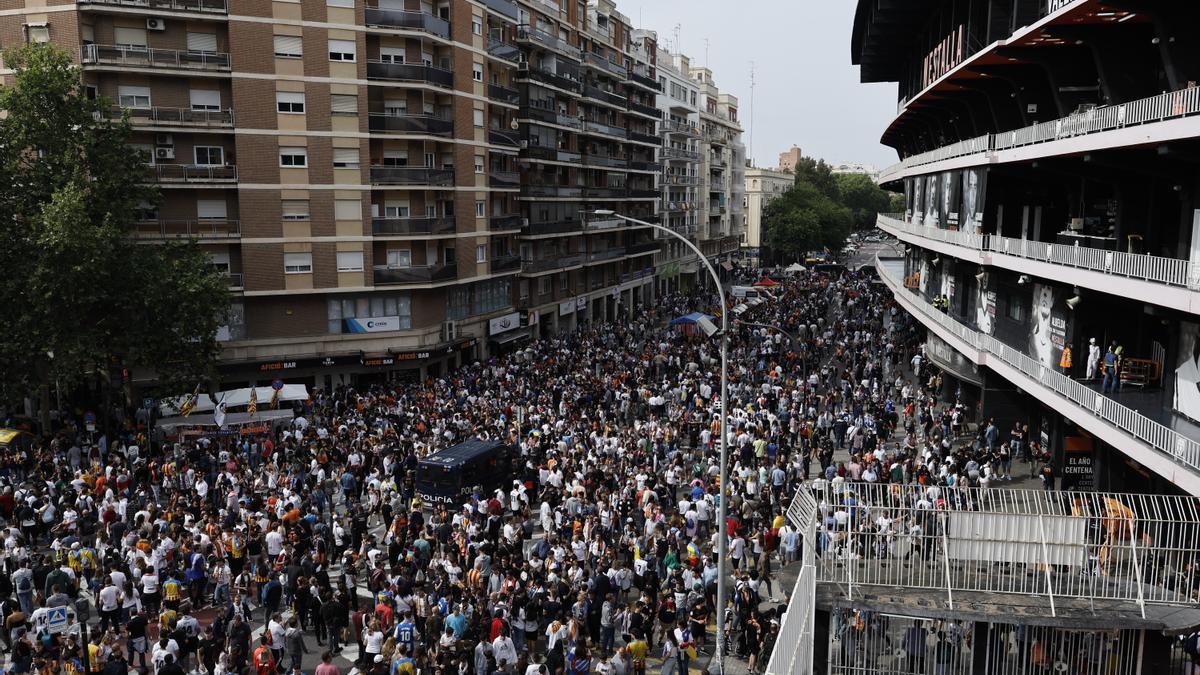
[(724, 160), (393, 188), (762, 186), (789, 159)]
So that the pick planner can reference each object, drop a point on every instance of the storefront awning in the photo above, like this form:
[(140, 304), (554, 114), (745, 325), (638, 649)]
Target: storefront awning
[(510, 337)]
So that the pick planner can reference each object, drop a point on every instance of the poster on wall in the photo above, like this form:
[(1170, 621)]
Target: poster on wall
[(973, 184), (947, 280), (918, 215), (985, 307), (932, 182), (950, 201), (923, 282), (1048, 325), (908, 199), (1079, 464), (1187, 371)]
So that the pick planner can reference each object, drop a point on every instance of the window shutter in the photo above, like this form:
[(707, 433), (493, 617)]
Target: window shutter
[(347, 209), (295, 209), (344, 104), (345, 157), (130, 36), (202, 42), (289, 45), (205, 99), (211, 209)]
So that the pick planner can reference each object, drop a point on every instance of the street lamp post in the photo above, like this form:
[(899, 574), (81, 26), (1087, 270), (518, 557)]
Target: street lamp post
[(722, 502)]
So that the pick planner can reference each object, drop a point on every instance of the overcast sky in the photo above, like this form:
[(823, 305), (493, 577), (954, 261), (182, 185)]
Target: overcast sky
[(807, 92)]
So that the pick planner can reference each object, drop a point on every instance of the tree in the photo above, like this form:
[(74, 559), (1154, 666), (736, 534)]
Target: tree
[(859, 193), (81, 293), (818, 174), (804, 219)]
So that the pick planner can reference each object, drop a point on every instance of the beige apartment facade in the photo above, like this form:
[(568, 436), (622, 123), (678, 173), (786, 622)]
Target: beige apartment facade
[(762, 186)]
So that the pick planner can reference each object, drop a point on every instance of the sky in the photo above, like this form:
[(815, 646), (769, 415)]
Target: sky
[(807, 92)]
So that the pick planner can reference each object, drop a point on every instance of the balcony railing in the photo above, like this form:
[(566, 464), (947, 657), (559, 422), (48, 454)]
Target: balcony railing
[(387, 276), (399, 18), (676, 179), (604, 64), (405, 226), (208, 228), (562, 81), (409, 72), (592, 91), (504, 50), (1153, 268), (507, 8), (201, 6), (673, 127), (607, 254), (192, 173), (1169, 443), (498, 92), (642, 165), (560, 191), (505, 263), (1169, 105), (645, 138), (638, 76), (679, 153), (557, 227), (602, 160), (411, 175), (145, 57), (527, 33), (159, 116), (645, 109), (512, 222), (504, 179), (430, 125), (641, 193), (235, 279), (498, 137), (547, 264), (639, 249), (601, 127)]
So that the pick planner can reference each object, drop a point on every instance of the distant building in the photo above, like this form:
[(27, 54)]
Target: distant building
[(762, 186), (854, 167), (788, 160)]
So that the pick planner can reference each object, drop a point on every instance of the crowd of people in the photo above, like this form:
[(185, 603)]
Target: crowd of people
[(310, 546)]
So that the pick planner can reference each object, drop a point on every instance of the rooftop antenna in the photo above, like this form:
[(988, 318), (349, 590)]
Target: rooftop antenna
[(675, 45), (705, 52), (750, 140)]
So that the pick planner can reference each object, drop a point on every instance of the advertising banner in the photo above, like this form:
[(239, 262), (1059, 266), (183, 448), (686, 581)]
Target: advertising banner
[(974, 182), (908, 199), (918, 216), (502, 324), (985, 306), (932, 205), (377, 324), (950, 199), (1079, 464), (1048, 326), (566, 307), (1187, 371)]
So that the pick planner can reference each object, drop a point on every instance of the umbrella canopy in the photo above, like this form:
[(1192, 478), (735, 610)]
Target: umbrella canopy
[(796, 267), (690, 319), (766, 282)]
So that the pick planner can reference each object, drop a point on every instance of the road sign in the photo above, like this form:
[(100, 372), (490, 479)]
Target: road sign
[(57, 620), (89, 420)]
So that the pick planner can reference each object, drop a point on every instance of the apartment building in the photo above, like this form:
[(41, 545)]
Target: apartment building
[(383, 183), (722, 216), (761, 186), (589, 142)]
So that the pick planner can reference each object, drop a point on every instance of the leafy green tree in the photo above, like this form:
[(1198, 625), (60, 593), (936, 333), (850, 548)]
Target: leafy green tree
[(80, 292), (817, 173), (804, 219), (859, 193)]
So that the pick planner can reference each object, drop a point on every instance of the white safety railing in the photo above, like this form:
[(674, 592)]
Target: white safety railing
[(1165, 106), (1153, 268), (793, 651), (1176, 446)]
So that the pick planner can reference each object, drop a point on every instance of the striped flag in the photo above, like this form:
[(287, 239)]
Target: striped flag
[(275, 398), (190, 403), (252, 407), (219, 415)]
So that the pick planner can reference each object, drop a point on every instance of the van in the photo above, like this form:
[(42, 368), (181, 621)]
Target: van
[(449, 475), (746, 292)]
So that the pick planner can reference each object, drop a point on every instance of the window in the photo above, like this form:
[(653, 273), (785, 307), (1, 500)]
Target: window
[(399, 258), (391, 55), (293, 157), (203, 43), (349, 261), (340, 3), (211, 209), (37, 32), (343, 104), (481, 253), (476, 27), (478, 164), (523, 289), (478, 119), (209, 155), (133, 97), (205, 99), (395, 107), (347, 209), (398, 210), (294, 209), (297, 263), (289, 46), (480, 209), (129, 37), (291, 102), (477, 72), (398, 307), (479, 298), (564, 281), (345, 158), (144, 149), (545, 284), (395, 158), (342, 50)]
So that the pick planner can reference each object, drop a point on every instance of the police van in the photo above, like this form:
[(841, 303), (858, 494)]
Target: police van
[(448, 475)]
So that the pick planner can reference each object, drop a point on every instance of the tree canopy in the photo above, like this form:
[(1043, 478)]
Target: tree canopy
[(81, 293)]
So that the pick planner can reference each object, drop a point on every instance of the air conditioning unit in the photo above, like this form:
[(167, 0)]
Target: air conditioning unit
[(156, 24), (164, 153), (164, 139), (449, 331)]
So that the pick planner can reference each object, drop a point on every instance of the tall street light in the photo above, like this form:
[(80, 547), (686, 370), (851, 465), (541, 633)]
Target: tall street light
[(722, 501)]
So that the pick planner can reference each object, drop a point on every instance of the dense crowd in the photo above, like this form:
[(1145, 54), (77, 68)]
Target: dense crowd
[(232, 555)]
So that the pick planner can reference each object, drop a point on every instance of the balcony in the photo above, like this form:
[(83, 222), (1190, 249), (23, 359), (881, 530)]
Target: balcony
[(604, 192), (640, 249), (503, 50), (602, 128), (679, 153), (208, 228), (390, 276), (640, 75), (673, 127), (145, 57), (1159, 448), (397, 18), (606, 161), (602, 63), (642, 165), (192, 173), (196, 6), (507, 138), (676, 179), (592, 91), (411, 175), (512, 222), (505, 263), (504, 179), (399, 227), (562, 81), (607, 254), (642, 193), (174, 117), (235, 280), (531, 35), (555, 191), (601, 224), (427, 125), (645, 138), (538, 265), (505, 8), (409, 72), (498, 92), (559, 227), (717, 163), (648, 110)]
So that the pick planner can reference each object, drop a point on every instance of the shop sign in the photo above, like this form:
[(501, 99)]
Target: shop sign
[(581, 302), (502, 324), (378, 324), (566, 307)]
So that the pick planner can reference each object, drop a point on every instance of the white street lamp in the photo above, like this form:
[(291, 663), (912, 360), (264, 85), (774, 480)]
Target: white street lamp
[(723, 501)]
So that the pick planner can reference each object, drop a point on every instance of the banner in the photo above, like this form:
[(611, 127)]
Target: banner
[(974, 182), (932, 183), (1079, 467), (985, 306), (378, 324), (1048, 325), (908, 199), (950, 199), (504, 323), (1187, 371), (918, 217)]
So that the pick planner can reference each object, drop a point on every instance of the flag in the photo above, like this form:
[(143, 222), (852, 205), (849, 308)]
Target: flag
[(275, 398), (189, 404), (252, 407), (219, 414)]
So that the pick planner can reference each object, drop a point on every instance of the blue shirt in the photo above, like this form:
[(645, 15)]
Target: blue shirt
[(406, 633), (457, 623)]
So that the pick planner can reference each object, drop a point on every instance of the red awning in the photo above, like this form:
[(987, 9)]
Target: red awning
[(767, 283)]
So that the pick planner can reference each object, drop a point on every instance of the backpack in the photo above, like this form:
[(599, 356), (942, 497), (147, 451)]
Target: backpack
[(1191, 645), (25, 584)]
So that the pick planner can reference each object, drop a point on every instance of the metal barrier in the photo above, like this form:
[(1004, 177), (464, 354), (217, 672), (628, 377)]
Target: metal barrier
[(1174, 445), (1158, 269), (793, 652)]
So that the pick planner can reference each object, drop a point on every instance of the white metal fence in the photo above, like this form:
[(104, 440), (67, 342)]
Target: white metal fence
[(1157, 269), (1174, 445), (1169, 105), (793, 652)]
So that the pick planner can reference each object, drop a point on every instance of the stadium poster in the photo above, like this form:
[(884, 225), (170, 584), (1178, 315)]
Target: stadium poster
[(1048, 326), (932, 182), (918, 200), (1187, 371), (908, 199), (950, 199), (974, 183)]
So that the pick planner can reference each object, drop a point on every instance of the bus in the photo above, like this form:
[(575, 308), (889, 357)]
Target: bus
[(448, 475)]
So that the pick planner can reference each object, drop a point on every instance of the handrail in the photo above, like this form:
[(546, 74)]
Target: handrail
[(137, 55), (1165, 106)]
